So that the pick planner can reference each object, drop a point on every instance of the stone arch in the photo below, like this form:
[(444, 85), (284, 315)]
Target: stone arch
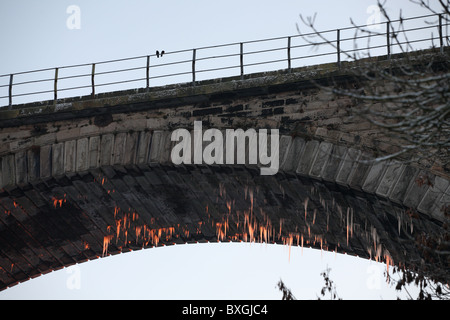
[(323, 196), (74, 173)]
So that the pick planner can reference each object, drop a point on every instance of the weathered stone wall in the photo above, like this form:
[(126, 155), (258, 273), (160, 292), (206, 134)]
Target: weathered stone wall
[(321, 136), (298, 109), (82, 178), (321, 160)]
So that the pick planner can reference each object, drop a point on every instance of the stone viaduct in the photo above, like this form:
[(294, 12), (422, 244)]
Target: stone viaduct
[(87, 177)]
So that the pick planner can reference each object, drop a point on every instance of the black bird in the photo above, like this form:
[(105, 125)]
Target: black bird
[(162, 52), (157, 53)]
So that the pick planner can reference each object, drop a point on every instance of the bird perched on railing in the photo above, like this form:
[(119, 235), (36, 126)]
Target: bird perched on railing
[(159, 54)]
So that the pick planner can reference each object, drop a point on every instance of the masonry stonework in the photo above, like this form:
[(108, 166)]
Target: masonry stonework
[(96, 157)]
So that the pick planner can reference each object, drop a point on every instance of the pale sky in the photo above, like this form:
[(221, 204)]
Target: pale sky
[(35, 34)]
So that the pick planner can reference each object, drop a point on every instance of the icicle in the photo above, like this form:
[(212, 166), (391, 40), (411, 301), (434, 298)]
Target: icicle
[(412, 225), (351, 222), (328, 219), (348, 210), (306, 206), (302, 243), (251, 201)]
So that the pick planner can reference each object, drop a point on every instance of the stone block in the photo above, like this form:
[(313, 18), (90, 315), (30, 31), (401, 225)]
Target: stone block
[(333, 164), (4, 148), (45, 161), (321, 132), (438, 207), (321, 159), (431, 199), (293, 154), (347, 166), (359, 174), (390, 177), (70, 155), (415, 191), (407, 176), (21, 144), (307, 157), (58, 159), (44, 139), (355, 126), (94, 152), (82, 156), (129, 156), (119, 148), (21, 167), (348, 138), (166, 148), (143, 147), (285, 143), (8, 170), (89, 130), (33, 163), (68, 134), (156, 146), (127, 124), (106, 149), (374, 176)]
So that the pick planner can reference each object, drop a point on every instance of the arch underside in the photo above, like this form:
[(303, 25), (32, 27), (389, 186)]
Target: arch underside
[(60, 221)]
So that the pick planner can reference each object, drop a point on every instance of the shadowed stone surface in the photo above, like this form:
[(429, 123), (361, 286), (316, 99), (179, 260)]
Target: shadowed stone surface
[(78, 217)]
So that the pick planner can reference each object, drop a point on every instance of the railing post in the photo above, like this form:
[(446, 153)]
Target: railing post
[(10, 90), (193, 66), (148, 72), (242, 60), (92, 80), (56, 85), (388, 39), (289, 53), (441, 40), (338, 40)]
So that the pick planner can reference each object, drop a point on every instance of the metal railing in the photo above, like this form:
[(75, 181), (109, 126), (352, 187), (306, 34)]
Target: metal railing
[(233, 59)]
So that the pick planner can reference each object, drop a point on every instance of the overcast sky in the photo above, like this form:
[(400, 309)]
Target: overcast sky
[(43, 34)]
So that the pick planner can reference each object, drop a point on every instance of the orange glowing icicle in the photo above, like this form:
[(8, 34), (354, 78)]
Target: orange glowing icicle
[(106, 241), (56, 201), (251, 200), (306, 207), (348, 209), (388, 262), (138, 230), (288, 241), (302, 243), (221, 233)]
